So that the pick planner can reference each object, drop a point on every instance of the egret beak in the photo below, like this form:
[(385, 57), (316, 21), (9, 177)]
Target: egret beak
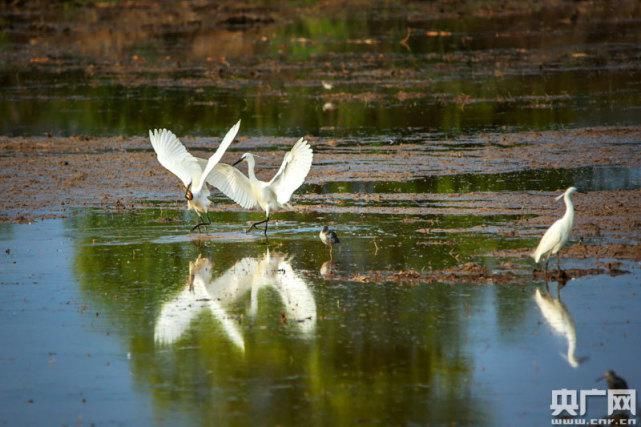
[(238, 161)]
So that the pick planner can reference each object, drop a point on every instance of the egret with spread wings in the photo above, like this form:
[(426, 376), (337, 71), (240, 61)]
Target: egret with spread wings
[(250, 192), (192, 171)]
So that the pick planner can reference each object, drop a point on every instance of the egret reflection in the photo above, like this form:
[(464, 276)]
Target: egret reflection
[(560, 320), (245, 278)]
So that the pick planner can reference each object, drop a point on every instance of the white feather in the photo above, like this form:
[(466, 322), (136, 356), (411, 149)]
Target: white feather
[(248, 191), (233, 184), (293, 171), (173, 155), (213, 160)]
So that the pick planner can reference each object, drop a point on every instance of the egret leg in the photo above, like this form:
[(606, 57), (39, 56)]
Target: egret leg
[(558, 261), (546, 268), (201, 222), (258, 223), (266, 223)]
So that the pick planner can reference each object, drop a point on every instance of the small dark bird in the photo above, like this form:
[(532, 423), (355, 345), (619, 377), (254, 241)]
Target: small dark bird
[(329, 238), (614, 381)]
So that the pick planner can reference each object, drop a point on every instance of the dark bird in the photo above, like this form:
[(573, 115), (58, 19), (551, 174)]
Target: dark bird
[(614, 381), (329, 238)]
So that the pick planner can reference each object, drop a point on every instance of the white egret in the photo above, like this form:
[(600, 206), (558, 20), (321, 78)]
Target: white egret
[(250, 192), (558, 234), (329, 238), (192, 171)]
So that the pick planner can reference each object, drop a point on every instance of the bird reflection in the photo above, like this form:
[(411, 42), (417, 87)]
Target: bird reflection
[(560, 320), (247, 276), (328, 268)]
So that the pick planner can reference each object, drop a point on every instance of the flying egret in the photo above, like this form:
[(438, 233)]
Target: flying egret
[(249, 192), (558, 234), (192, 171), (329, 238)]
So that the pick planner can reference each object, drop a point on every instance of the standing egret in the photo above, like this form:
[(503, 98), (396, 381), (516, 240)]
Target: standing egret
[(329, 238), (558, 234), (270, 196), (192, 171)]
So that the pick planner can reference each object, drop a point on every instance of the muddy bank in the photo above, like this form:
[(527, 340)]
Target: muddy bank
[(471, 272), (49, 176)]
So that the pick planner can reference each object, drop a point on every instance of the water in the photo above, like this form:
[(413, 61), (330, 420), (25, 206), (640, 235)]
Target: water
[(121, 321), (593, 178), (492, 73), (127, 318)]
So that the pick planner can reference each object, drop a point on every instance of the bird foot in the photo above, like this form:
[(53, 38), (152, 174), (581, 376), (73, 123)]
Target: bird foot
[(197, 226)]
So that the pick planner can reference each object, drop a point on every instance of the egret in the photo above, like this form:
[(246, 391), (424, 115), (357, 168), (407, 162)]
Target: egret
[(558, 234), (192, 171), (329, 238), (250, 192)]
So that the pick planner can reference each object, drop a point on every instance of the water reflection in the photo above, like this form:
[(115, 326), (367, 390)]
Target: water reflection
[(589, 178), (247, 276), (560, 321), (328, 268)]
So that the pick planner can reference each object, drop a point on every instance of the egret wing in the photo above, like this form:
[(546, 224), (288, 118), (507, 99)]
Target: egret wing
[(173, 155), (549, 240), (233, 184), (213, 160), (293, 171)]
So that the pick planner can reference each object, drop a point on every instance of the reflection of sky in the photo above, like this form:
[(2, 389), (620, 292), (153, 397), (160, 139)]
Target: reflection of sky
[(55, 349), (518, 374)]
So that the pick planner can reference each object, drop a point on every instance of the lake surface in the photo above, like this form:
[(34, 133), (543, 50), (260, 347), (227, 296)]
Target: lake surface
[(125, 318), (122, 319)]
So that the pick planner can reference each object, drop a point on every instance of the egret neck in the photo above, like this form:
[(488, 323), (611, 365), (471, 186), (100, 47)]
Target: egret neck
[(568, 217)]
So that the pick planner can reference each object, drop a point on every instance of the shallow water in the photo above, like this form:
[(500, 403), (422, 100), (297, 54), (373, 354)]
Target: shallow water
[(593, 178), (123, 319), (530, 72), (127, 318)]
